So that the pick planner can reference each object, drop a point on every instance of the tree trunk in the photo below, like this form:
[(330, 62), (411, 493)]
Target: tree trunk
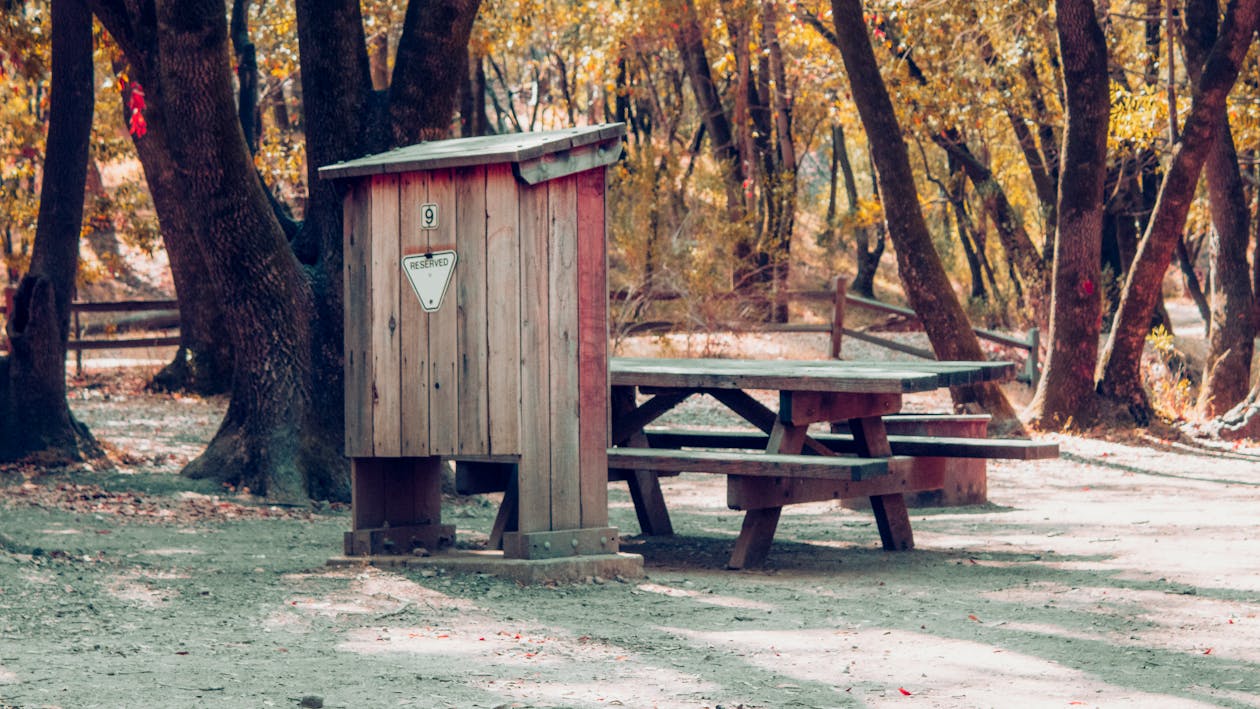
[(247, 259), (1231, 325), (34, 414), (1119, 372), (429, 67), (927, 285), (867, 256), (690, 43), (203, 362), (1065, 393)]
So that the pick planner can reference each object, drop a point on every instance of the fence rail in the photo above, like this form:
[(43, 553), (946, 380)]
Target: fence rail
[(839, 298)]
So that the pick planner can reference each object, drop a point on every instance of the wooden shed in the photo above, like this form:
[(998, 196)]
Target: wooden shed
[(476, 330)]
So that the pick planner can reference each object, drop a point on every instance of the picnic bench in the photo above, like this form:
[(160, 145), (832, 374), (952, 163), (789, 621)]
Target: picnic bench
[(782, 462)]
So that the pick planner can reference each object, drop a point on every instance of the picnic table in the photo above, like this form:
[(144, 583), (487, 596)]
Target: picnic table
[(781, 462)]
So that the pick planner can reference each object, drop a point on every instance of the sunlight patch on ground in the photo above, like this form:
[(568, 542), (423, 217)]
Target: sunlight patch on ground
[(874, 664), (136, 587), (172, 551), (8, 677), (707, 597)]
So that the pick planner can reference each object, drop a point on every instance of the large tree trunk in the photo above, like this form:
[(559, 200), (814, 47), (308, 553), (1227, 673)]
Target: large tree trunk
[(1231, 326), (1065, 393), (1119, 371), (34, 414), (927, 285), (203, 361), (247, 259), (429, 68)]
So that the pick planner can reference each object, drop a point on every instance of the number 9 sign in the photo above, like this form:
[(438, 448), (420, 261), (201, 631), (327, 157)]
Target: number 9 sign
[(428, 216)]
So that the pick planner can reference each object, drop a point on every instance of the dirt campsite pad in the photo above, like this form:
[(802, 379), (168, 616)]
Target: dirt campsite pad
[(1126, 573)]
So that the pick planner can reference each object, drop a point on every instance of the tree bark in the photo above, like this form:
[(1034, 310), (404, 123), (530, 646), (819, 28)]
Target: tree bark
[(34, 414), (927, 285), (1065, 393), (1231, 325), (1119, 371), (247, 259), (429, 67)]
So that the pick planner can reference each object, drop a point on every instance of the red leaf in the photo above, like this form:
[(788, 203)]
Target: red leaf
[(904, 691), (136, 100), (138, 126), (972, 617)]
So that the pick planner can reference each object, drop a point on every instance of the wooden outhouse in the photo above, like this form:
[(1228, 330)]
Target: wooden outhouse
[(476, 330)]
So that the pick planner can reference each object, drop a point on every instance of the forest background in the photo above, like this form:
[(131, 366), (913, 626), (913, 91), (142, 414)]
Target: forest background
[(1026, 163)]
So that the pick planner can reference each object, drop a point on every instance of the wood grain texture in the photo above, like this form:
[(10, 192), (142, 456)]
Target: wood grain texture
[(843, 444), (413, 326), (367, 490), (386, 275), (565, 396), (755, 536), (503, 268), (534, 477), (358, 385), (803, 375), (750, 464), (592, 316), (470, 306), (443, 327)]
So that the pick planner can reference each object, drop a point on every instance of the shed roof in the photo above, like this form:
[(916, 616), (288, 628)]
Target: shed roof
[(462, 152)]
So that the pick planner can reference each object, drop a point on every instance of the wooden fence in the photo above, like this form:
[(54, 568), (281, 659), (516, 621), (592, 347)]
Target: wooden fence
[(839, 298), (80, 342)]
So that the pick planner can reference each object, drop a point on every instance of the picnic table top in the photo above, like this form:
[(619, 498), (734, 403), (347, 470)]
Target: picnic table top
[(803, 375)]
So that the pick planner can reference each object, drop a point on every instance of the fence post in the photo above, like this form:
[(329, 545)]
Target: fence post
[(78, 353), (837, 318), (1032, 366)]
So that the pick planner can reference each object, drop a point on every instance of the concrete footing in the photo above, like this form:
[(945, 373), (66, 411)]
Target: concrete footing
[(569, 569)]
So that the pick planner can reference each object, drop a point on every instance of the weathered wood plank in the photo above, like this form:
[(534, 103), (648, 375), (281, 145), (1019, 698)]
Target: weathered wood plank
[(503, 269), (470, 304), (413, 326), (917, 446), (806, 407), (592, 317), (367, 490), (534, 478), (443, 327), (357, 230), (755, 536), (905, 475), (385, 274), (750, 464), (800, 375), (565, 395), (645, 485)]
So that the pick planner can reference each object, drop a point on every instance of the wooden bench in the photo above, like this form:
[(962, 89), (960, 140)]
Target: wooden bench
[(840, 443), (761, 483), (731, 462)]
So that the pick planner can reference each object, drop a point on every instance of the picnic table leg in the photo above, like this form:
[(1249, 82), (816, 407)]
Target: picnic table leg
[(507, 518), (645, 485), (891, 516), (757, 533)]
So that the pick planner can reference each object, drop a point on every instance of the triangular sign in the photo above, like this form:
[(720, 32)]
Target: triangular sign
[(430, 274)]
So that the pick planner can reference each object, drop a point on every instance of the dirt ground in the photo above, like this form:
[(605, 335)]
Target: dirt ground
[(1126, 573)]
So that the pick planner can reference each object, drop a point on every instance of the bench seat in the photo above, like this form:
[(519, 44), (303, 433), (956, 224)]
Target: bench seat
[(841, 443), (732, 462)]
